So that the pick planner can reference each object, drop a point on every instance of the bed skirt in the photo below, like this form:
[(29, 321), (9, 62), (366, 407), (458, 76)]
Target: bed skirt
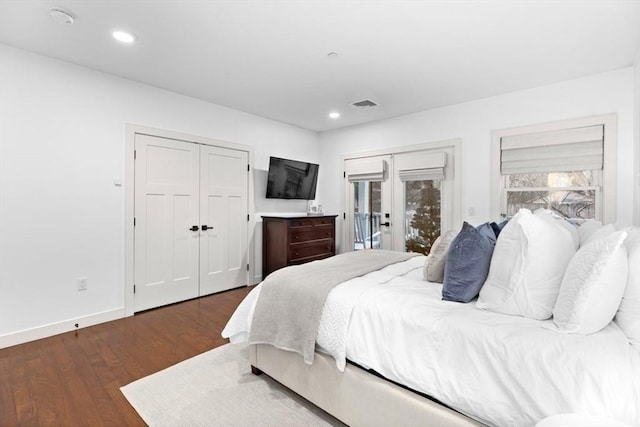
[(355, 396)]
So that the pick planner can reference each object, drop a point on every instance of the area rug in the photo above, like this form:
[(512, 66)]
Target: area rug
[(217, 388)]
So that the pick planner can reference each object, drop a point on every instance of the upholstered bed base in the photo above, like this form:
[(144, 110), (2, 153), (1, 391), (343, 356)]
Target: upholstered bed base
[(355, 396)]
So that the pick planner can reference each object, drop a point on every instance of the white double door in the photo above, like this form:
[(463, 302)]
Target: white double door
[(190, 220)]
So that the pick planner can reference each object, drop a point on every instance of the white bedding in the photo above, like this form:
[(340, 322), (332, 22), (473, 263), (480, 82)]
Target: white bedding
[(498, 369)]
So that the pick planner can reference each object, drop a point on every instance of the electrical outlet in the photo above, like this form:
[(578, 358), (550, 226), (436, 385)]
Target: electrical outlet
[(83, 282)]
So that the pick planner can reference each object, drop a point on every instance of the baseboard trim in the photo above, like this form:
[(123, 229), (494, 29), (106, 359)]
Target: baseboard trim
[(49, 330)]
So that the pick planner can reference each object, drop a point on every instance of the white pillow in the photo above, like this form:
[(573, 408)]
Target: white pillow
[(527, 266), (572, 229), (599, 234), (587, 228), (434, 264), (628, 316), (593, 285)]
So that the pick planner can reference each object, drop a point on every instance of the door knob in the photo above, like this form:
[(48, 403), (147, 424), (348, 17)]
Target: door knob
[(194, 228), (206, 227)]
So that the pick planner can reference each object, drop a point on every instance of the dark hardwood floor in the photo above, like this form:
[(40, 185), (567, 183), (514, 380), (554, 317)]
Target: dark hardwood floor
[(74, 379)]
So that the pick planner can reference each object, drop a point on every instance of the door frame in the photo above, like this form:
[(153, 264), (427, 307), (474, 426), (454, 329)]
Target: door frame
[(456, 202), (129, 199)]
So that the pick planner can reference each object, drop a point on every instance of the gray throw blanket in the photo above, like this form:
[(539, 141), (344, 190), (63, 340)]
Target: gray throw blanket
[(288, 310)]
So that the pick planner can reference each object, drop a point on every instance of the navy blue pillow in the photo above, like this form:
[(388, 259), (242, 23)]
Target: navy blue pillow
[(468, 261), (497, 228)]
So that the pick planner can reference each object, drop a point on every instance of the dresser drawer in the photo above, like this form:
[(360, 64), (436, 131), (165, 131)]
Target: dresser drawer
[(306, 222), (306, 234), (324, 222), (301, 251)]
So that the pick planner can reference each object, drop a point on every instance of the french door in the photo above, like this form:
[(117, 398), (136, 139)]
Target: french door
[(400, 201), (190, 220), (421, 199), (368, 201)]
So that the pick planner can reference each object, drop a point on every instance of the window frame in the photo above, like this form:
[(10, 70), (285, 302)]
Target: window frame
[(607, 203)]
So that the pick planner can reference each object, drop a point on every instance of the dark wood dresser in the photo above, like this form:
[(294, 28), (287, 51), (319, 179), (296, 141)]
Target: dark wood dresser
[(296, 240)]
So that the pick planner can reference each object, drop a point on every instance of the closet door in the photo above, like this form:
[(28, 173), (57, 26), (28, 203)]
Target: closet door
[(167, 180), (223, 218)]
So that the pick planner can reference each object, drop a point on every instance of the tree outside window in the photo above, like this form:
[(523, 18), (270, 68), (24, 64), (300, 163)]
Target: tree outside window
[(422, 215)]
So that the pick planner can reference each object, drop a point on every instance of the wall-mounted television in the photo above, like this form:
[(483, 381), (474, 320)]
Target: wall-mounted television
[(291, 179)]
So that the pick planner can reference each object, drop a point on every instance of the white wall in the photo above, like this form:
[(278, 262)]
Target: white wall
[(473, 122), (62, 143), (636, 86)]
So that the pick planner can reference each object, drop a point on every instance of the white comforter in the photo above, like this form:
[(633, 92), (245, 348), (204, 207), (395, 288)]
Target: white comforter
[(501, 370)]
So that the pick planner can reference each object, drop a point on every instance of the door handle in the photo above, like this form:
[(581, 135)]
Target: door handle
[(386, 224), (194, 228), (206, 227)]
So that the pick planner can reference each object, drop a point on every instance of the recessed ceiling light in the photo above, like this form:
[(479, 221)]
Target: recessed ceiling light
[(61, 16), (123, 37), (334, 115)]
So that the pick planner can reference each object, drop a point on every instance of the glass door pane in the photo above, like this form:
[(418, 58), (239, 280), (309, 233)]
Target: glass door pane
[(367, 214), (421, 215)]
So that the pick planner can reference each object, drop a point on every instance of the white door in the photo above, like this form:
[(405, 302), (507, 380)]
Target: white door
[(223, 219), (167, 180), (422, 198), (368, 201), (190, 220)]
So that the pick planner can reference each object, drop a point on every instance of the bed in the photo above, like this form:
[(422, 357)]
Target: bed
[(390, 351)]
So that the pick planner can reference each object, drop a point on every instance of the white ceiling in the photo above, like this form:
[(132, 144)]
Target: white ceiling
[(270, 58)]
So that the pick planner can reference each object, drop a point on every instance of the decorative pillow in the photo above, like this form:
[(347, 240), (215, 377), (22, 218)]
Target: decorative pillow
[(628, 315), (527, 266), (587, 228), (468, 262), (593, 286), (598, 234), (434, 264), (572, 229), (497, 228)]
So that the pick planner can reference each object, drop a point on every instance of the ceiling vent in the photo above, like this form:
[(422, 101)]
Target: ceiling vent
[(364, 104)]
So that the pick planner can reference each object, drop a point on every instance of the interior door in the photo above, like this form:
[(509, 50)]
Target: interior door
[(223, 219), (167, 181)]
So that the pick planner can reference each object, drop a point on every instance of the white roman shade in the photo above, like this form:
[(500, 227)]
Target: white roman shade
[(557, 151), (366, 169), (423, 167)]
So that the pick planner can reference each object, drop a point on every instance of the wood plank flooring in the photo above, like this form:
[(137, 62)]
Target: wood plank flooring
[(74, 379)]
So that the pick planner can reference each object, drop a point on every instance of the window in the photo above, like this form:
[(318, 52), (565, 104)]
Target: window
[(567, 167), (422, 215), (571, 195)]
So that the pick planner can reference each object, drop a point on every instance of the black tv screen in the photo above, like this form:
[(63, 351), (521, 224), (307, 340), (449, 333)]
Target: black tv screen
[(291, 179)]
